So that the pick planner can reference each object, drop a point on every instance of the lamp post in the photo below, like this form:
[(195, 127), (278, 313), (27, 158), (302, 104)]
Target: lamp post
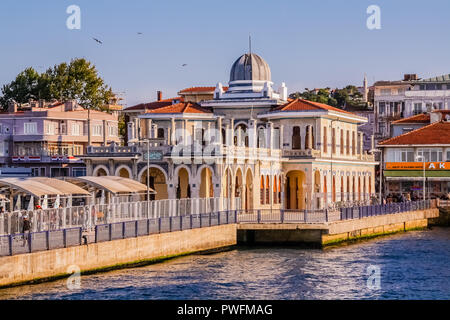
[(148, 176), (424, 184)]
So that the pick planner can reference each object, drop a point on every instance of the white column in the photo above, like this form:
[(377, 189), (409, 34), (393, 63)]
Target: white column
[(172, 133)]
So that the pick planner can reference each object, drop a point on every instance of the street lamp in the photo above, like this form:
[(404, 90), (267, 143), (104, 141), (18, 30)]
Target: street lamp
[(423, 161)]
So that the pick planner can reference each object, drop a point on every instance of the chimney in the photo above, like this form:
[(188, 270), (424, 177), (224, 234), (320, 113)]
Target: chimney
[(69, 105), (410, 77), (12, 106), (41, 103), (159, 95)]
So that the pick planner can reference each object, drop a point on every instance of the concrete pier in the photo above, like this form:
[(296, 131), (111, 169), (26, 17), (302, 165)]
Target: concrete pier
[(51, 264), (323, 234)]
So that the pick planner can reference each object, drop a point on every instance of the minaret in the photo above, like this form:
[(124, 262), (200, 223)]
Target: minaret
[(366, 89)]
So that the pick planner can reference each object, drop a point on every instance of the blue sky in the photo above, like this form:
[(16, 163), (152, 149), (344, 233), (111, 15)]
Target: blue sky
[(306, 43)]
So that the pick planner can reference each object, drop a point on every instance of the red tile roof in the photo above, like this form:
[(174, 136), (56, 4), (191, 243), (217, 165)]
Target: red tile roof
[(182, 107), (306, 105), (419, 118), (153, 105), (435, 133), (200, 89)]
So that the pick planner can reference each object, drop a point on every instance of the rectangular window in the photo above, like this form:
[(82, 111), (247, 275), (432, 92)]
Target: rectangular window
[(386, 92), (430, 155), (62, 128), (49, 127), (78, 172), (417, 108), (75, 129), (30, 128), (113, 131), (381, 107), (97, 130)]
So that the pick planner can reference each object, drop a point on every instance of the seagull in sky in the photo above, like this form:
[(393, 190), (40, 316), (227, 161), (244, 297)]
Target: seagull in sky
[(184, 65), (98, 40), (139, 33)]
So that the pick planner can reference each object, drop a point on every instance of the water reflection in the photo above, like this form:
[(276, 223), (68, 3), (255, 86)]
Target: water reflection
[(413, 266)]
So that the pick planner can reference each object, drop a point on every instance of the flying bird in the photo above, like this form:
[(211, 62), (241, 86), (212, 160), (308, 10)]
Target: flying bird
[(98, 40), (139, 33), (184, 65)]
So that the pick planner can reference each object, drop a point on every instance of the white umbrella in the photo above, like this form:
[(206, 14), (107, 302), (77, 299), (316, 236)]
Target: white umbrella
[(31, 204), (45, 203), (57, 202), (18, 203)]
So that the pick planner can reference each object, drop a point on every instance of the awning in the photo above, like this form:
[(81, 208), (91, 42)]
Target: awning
[(416, 173), (63, 186), (130, 183), (38, 187), (417, 179), (111, 184)]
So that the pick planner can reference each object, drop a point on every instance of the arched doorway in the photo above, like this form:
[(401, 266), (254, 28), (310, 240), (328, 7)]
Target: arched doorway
[(238, 186), (206, 185), (295, 190), (249, 190), (317, 196), (333, 189), (124, 173), (101, 172), (157, 181), (241, 135), (183, 187)]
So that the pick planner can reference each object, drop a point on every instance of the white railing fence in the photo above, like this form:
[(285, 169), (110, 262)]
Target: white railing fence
[(90, 215)]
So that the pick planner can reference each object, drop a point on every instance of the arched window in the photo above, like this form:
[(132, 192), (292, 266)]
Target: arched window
[(160, 133), (262, 190), (279, 189), (296, 139), (275, 190), (353, 143), (267, 190), (342, 141), (348, 143)]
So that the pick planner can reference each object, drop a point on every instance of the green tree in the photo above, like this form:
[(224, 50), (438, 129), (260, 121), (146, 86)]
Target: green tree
[(77, 80), (27, 85)]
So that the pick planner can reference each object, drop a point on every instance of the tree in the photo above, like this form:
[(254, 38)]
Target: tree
[(27, 85), (77, 80)]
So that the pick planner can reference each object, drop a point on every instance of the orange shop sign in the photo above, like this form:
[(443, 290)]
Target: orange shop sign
[(417, 165)]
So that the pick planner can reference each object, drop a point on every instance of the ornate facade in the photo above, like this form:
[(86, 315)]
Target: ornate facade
[(246, 141)]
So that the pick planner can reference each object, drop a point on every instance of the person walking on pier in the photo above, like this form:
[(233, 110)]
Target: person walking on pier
[(26, 229)]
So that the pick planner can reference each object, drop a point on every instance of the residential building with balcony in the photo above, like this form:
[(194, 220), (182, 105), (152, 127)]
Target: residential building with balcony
[(50, 137), (395, 100), (418, 156), (246, 141)]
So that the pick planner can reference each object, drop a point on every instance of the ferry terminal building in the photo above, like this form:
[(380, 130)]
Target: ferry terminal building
[(268, 151)]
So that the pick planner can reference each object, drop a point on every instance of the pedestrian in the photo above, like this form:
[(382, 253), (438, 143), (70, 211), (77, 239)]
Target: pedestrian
[(26, 229)]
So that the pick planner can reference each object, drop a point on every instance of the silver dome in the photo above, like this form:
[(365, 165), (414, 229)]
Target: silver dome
[(250, 67)]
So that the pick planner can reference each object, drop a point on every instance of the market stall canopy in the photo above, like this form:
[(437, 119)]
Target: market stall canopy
[(39, 187), (111, 184)]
